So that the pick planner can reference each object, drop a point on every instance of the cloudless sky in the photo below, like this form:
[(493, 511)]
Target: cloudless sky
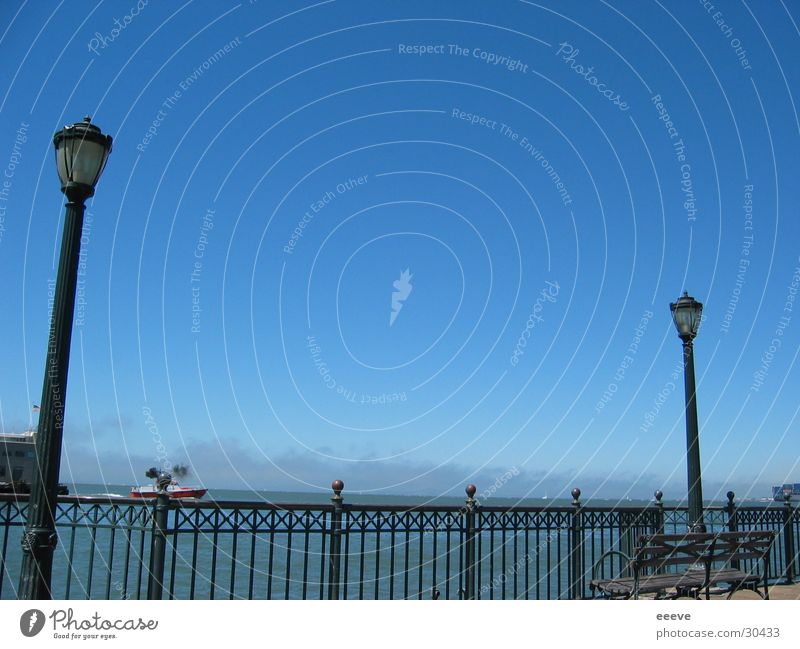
[(552, 175)]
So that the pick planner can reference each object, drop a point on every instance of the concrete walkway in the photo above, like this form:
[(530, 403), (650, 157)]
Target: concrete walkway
[(775, 592)]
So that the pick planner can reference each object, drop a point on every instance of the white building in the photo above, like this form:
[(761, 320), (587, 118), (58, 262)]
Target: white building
[(17, 456)]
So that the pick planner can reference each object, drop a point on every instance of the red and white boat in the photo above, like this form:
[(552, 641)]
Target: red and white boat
[(174, 490)]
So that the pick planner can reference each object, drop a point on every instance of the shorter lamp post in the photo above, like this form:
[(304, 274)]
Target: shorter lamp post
[(155, 585), (687, 314), (81, 154)]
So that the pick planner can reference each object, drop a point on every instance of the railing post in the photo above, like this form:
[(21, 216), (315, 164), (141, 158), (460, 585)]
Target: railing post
[(158, 547), (733, 521), (659, 511), (788, 538), (733, 518), (335, 552), (469, 543), (576, 547)]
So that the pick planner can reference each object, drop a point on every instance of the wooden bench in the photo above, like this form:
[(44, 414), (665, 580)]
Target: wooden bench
[(680, 565)]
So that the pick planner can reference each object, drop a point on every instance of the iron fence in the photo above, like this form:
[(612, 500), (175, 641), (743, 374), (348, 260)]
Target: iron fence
[(118, 548)]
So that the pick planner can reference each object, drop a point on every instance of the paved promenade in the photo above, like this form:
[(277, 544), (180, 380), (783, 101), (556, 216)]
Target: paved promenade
[(775, 592)]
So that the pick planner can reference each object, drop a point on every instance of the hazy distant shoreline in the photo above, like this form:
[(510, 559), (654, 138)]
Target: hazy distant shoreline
[(321, 497)]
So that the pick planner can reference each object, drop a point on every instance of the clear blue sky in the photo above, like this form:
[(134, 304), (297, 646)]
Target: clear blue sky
[(555, 173)]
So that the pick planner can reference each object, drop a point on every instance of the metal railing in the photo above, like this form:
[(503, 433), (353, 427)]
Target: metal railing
[(119, 548)]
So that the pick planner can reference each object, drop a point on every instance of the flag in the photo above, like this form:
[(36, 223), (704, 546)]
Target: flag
[(36, 408)]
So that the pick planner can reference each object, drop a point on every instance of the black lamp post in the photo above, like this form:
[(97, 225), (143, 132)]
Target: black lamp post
[(687, 313), (81, 154)]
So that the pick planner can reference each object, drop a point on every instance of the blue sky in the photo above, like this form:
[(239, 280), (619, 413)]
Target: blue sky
[(552, 176)]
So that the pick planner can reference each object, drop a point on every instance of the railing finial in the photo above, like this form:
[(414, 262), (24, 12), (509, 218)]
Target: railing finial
[(659, 495), (337, 486)]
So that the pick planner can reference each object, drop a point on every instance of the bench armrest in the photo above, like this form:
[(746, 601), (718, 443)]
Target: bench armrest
[(606, 554)]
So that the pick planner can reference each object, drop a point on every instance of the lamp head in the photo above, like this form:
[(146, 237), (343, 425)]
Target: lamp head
[(81, 155), (687, 314)]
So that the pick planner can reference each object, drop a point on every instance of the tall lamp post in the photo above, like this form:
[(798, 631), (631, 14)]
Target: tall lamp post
[(81, 154), (687, 313)]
